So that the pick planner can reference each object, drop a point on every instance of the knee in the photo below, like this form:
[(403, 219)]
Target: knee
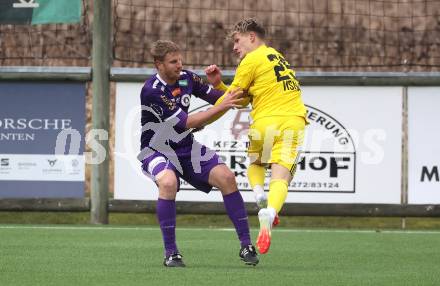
[(228, 183), (167, 187), (168, 184), (229, 178)]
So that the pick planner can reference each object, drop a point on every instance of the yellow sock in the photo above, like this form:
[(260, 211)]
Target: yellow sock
[(256, 175), (277, 194)]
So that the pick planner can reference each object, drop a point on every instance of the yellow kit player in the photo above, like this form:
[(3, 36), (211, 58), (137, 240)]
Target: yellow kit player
[(277, 120)]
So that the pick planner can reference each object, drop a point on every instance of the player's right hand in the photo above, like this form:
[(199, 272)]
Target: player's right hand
[(213, 75)]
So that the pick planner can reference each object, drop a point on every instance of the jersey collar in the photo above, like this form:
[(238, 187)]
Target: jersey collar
[(161, 80), (165, 83)]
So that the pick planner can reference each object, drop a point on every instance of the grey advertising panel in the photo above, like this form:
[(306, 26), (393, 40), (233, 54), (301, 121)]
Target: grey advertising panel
[(32, 116)]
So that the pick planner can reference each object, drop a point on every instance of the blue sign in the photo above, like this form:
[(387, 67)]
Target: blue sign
[(32, 115)]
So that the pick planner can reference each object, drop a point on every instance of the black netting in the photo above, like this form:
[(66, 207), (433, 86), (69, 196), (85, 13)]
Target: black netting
[(49, 44), (312, 34), (364, 35)]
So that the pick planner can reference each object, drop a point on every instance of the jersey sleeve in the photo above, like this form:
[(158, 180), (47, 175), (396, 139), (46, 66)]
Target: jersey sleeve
[(204, 91), (244, 75), (221, 86)]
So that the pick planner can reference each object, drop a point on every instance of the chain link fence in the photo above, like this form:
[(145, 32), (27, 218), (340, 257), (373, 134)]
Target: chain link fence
[(315, 35), (48, 45), (364, 35)]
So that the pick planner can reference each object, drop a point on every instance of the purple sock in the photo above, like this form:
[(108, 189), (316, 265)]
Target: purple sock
[(166, 214), (237, 213)]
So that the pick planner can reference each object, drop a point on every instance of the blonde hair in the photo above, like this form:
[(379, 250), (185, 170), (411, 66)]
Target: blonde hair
[(161, 48), (249, 25)]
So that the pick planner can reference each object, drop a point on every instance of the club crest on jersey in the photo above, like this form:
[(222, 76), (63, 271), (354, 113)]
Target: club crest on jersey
[(176, 92), (183, 82), (185, 100)]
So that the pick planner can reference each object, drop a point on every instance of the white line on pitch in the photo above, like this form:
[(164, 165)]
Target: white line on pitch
[(63, 227)]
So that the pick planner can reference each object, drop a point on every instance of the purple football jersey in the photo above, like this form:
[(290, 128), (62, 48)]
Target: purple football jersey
[(165, 111)]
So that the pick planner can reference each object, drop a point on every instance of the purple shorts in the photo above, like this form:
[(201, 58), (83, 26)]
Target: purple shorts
[(194, 167)]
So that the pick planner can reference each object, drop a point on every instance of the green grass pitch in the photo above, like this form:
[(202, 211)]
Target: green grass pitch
[(88, 255)]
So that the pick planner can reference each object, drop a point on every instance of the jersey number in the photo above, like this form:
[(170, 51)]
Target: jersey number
[(283, 65)]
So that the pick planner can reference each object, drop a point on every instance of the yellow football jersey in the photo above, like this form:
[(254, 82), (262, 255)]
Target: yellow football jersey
[(271, 83)]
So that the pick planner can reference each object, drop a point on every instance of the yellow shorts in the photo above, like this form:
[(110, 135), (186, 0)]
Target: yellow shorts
[(276, 139)]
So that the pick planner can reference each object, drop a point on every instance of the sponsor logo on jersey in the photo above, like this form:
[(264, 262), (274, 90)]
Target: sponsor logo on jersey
[(183, 82), (176, 91), (169, 103)]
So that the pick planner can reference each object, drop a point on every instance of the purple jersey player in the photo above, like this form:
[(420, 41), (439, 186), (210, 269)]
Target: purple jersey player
[(169, 150)]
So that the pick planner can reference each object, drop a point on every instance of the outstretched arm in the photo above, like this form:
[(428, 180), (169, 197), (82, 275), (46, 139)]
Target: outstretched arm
[(200, 119)]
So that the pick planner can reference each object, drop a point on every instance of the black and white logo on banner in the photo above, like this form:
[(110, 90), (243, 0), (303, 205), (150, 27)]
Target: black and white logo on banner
[(326, 162), (4, 162)]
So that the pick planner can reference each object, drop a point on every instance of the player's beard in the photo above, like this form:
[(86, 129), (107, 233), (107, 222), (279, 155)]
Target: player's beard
[(173, 75)]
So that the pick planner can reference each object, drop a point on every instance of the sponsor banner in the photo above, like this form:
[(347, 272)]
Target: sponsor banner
[(33, 117), (325, 167), (350, 155), (361, 129), (423, 145)]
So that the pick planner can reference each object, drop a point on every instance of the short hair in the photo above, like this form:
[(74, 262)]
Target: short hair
[(249, 25), (161, 48)]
